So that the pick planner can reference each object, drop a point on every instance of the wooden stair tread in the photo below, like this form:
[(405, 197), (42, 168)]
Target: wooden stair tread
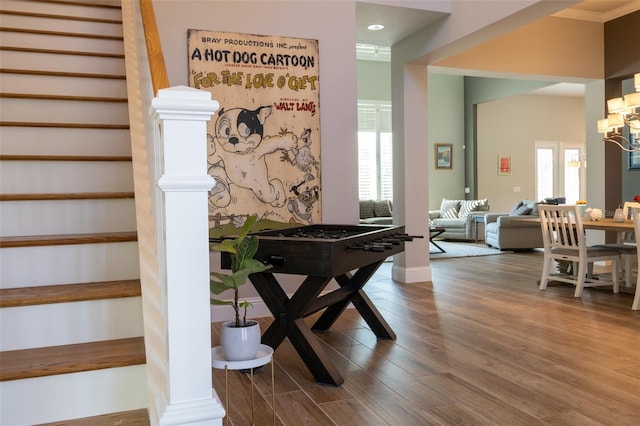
[(65, 17), (64, 293), (62, 52), (20, 157), (134, 417), (56, 240), (61, 33), (61, 74), (83, 3), (52, 360), (68, 196), (62, 97), (64, 125)]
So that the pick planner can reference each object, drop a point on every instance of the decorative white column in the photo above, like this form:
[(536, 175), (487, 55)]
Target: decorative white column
[(181, 163)]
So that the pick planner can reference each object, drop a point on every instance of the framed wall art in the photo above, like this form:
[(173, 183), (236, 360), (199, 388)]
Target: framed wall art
[(634, 157), (444, 156), (264, 141), (504, 165)]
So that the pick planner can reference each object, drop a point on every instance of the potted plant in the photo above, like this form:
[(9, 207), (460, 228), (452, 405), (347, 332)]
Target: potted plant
[(239, 338)]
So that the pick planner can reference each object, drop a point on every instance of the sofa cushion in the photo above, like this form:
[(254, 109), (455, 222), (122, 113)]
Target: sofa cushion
[(533, 205), (449, 208), (366, 209), (382, 208), (468, 206), (521, 211), (515, 207), (450, 223)]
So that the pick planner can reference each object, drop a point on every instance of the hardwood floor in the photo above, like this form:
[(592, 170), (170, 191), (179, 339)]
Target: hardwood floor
[(481, 345)]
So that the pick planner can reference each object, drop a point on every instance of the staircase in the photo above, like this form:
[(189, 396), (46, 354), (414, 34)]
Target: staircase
[(71, 333)]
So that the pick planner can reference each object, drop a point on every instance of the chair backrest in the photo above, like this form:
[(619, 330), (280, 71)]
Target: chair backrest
[(635, 215), (561, 228), (628, 237)]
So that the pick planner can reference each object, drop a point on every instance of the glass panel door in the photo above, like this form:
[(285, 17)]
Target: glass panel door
[(560, 171)]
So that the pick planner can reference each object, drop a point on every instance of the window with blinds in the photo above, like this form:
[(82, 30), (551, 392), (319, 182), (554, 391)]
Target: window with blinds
[(375, 161)]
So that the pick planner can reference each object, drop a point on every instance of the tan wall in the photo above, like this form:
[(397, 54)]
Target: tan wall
[(511, 126), (541, 48)]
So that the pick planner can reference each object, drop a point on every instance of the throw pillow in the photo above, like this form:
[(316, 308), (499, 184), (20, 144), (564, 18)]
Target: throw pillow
[(515, 207), (449, 208), (533, 205), (522, 210), (468, 206), (366, 209), (382, 208)]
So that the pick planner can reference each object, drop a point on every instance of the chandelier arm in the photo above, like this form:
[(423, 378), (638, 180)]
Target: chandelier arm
[(624, 148)]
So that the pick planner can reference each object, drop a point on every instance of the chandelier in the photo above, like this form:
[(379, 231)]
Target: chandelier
[(623, 112)]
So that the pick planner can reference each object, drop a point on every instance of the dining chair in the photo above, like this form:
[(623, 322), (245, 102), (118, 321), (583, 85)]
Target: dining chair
[(635, 215), (564, 240), (626, 244)]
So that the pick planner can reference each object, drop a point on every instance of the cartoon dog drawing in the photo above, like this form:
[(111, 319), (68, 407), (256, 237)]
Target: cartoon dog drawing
[(238, 152)]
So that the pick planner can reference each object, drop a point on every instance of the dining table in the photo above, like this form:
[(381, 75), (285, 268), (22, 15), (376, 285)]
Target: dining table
[(608, 224), (604, 224)]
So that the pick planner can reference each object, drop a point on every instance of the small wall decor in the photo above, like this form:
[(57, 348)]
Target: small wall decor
[(444, 156), (504, 165)]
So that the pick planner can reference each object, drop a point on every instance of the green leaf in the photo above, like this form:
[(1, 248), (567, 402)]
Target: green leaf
[(221, 302)]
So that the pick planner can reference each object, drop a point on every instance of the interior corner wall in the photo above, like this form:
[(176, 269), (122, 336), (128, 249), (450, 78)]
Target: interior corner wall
[(621, 62), (478, 90), (511, 126), (446, 116)]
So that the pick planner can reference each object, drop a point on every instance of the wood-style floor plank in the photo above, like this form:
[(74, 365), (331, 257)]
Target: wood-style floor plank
[(480, 345)]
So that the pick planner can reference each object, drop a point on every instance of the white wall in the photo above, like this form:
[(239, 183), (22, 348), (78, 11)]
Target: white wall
[(338, 88), (511, 126), (306, 19)]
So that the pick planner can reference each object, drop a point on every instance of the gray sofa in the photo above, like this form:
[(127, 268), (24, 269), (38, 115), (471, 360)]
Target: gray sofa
[(457, 218), (505, 232), (376, 212)]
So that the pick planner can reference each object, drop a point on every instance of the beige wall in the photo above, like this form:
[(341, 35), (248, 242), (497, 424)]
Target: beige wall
[(542, 49), (511, 126)]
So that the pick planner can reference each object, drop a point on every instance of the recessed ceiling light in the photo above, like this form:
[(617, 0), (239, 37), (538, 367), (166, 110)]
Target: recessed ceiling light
[(375, 27)]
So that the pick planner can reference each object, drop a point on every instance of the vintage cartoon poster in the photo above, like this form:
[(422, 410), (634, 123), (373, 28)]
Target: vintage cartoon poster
[(264, 141)]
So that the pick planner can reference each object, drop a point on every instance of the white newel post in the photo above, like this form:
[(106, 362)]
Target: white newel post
[(183, 113)]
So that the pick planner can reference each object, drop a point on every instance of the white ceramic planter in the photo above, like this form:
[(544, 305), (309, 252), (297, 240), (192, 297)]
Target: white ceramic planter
[(240, 343)]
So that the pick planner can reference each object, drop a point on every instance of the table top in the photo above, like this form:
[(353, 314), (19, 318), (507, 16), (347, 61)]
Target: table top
[(607, 224), (604, 224)]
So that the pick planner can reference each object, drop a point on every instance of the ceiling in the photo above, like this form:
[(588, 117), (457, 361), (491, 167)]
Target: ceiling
[(401, 22)]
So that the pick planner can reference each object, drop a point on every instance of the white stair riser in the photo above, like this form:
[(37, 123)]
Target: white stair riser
[(58, 324), (72, 396), (54, 141), (52, 85), (62, 9), (47, 111), (68, 264), (20, 218), (62, 25), (19, 177), (65, 63), (76, 44)]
